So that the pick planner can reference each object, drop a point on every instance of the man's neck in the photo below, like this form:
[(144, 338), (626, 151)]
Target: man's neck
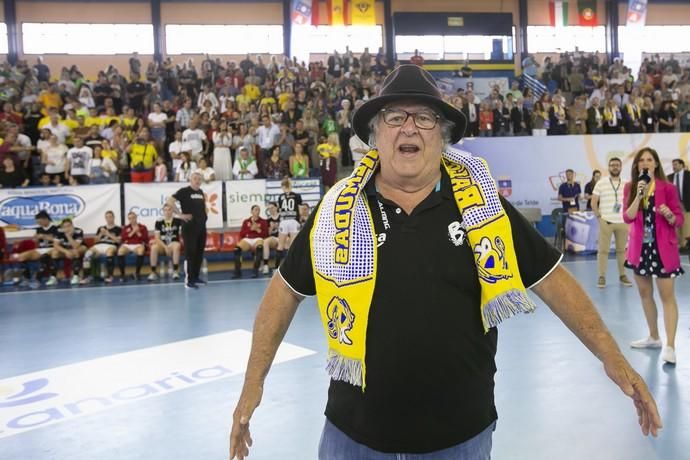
[(407, 193)]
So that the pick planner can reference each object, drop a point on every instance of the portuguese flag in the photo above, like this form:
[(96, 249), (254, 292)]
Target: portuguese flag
[(558, 12), (587, 12)]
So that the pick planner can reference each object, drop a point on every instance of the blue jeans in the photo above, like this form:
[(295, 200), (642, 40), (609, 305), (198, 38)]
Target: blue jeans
[(336, 445)]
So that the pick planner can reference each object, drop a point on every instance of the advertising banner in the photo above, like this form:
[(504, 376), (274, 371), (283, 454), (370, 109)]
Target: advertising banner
[(147, 201), (240, 196), (529, 170), (85, 204)]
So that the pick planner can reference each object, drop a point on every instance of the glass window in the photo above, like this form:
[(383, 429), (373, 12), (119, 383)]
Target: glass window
[(308, 40), (452, 47), (58, 38), (654, 39), (3, 38), (547, 39), (223, 39), (634, 42)]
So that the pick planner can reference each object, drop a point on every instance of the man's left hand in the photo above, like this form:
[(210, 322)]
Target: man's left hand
[(632, 385)]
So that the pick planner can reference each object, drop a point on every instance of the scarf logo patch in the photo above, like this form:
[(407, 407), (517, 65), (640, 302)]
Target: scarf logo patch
[(340, 320), (491, 263)]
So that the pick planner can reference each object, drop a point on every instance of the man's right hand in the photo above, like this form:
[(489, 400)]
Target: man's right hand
[(240, 438), (186, 217)]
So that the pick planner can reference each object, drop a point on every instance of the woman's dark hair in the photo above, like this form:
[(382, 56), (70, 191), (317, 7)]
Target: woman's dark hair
[(635, 171), (591, 181)]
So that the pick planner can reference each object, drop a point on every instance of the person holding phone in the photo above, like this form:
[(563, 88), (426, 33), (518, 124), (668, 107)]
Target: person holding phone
[(654, 212)]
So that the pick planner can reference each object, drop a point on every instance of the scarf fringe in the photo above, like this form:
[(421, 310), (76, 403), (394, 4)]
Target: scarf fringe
[(344, 369), (504, 306)]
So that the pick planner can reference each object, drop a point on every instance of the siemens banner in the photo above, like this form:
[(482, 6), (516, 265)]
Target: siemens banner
[(529, 170)]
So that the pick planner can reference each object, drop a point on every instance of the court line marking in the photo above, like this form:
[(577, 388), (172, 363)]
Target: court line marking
[(125, 286), (181, 285)]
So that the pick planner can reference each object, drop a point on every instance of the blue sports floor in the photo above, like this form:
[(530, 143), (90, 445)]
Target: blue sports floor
[(153, 372)]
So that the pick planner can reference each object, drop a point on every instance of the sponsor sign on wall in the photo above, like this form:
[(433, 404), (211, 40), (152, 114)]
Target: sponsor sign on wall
[(147, 201), (240, 196), (529, 170), (85, 204)]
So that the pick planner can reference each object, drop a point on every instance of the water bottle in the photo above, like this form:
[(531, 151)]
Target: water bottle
[(170, 269), (204, 270), (103, 274)]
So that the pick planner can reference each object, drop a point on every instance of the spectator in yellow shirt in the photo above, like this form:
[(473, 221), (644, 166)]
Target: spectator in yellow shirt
[(142, 155), (251, 91), (108, 151), (49, 98), (93, 119), (52, 113)]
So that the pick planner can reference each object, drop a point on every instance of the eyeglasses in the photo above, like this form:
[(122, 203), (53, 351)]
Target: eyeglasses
[(422, 120)]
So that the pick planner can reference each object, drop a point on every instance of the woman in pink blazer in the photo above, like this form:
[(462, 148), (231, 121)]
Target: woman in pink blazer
[(654, 212)]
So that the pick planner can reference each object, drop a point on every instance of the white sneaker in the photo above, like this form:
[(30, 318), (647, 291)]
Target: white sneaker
[(669, 355), (264, 270), (175, 276), (646, 343), (52, 281), (153, 276), (75, 280)]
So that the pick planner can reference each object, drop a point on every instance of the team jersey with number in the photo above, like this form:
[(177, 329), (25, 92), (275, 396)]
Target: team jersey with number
[(288, 204)]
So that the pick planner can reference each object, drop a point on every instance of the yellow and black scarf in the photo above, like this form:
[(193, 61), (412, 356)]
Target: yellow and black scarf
[(344, 257)]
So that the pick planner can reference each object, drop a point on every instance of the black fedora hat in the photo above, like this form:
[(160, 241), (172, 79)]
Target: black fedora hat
[(408, 82)]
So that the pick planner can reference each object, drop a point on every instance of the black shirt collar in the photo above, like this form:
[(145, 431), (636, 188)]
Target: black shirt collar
[(446, 190)]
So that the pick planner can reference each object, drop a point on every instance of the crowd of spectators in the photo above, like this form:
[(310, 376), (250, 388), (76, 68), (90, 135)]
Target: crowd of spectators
[(231, 120), (585, 94), (282, 118)]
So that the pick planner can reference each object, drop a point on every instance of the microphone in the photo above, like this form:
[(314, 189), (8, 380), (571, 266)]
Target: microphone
[(644, 177)]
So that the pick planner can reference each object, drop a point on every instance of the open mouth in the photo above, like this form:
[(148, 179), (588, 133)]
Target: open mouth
[(408, 149)]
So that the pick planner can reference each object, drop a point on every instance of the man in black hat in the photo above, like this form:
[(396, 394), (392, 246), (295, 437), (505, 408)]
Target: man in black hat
[(430, 346)]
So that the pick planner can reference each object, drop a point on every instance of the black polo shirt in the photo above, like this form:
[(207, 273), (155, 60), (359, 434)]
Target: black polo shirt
[(430, 366), (192, 202)]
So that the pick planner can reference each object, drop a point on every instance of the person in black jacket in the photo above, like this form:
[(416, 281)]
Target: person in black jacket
[(558, 118), (681, 179), (667, 117), (501, 120), (10, 175), (521, 119), (595, 118)]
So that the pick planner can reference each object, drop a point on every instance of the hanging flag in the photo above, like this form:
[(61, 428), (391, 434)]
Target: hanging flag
[(558, 13), (587, 13), (363, 12), (336, 12), (301, 12), (637, 13), (315, 21)]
